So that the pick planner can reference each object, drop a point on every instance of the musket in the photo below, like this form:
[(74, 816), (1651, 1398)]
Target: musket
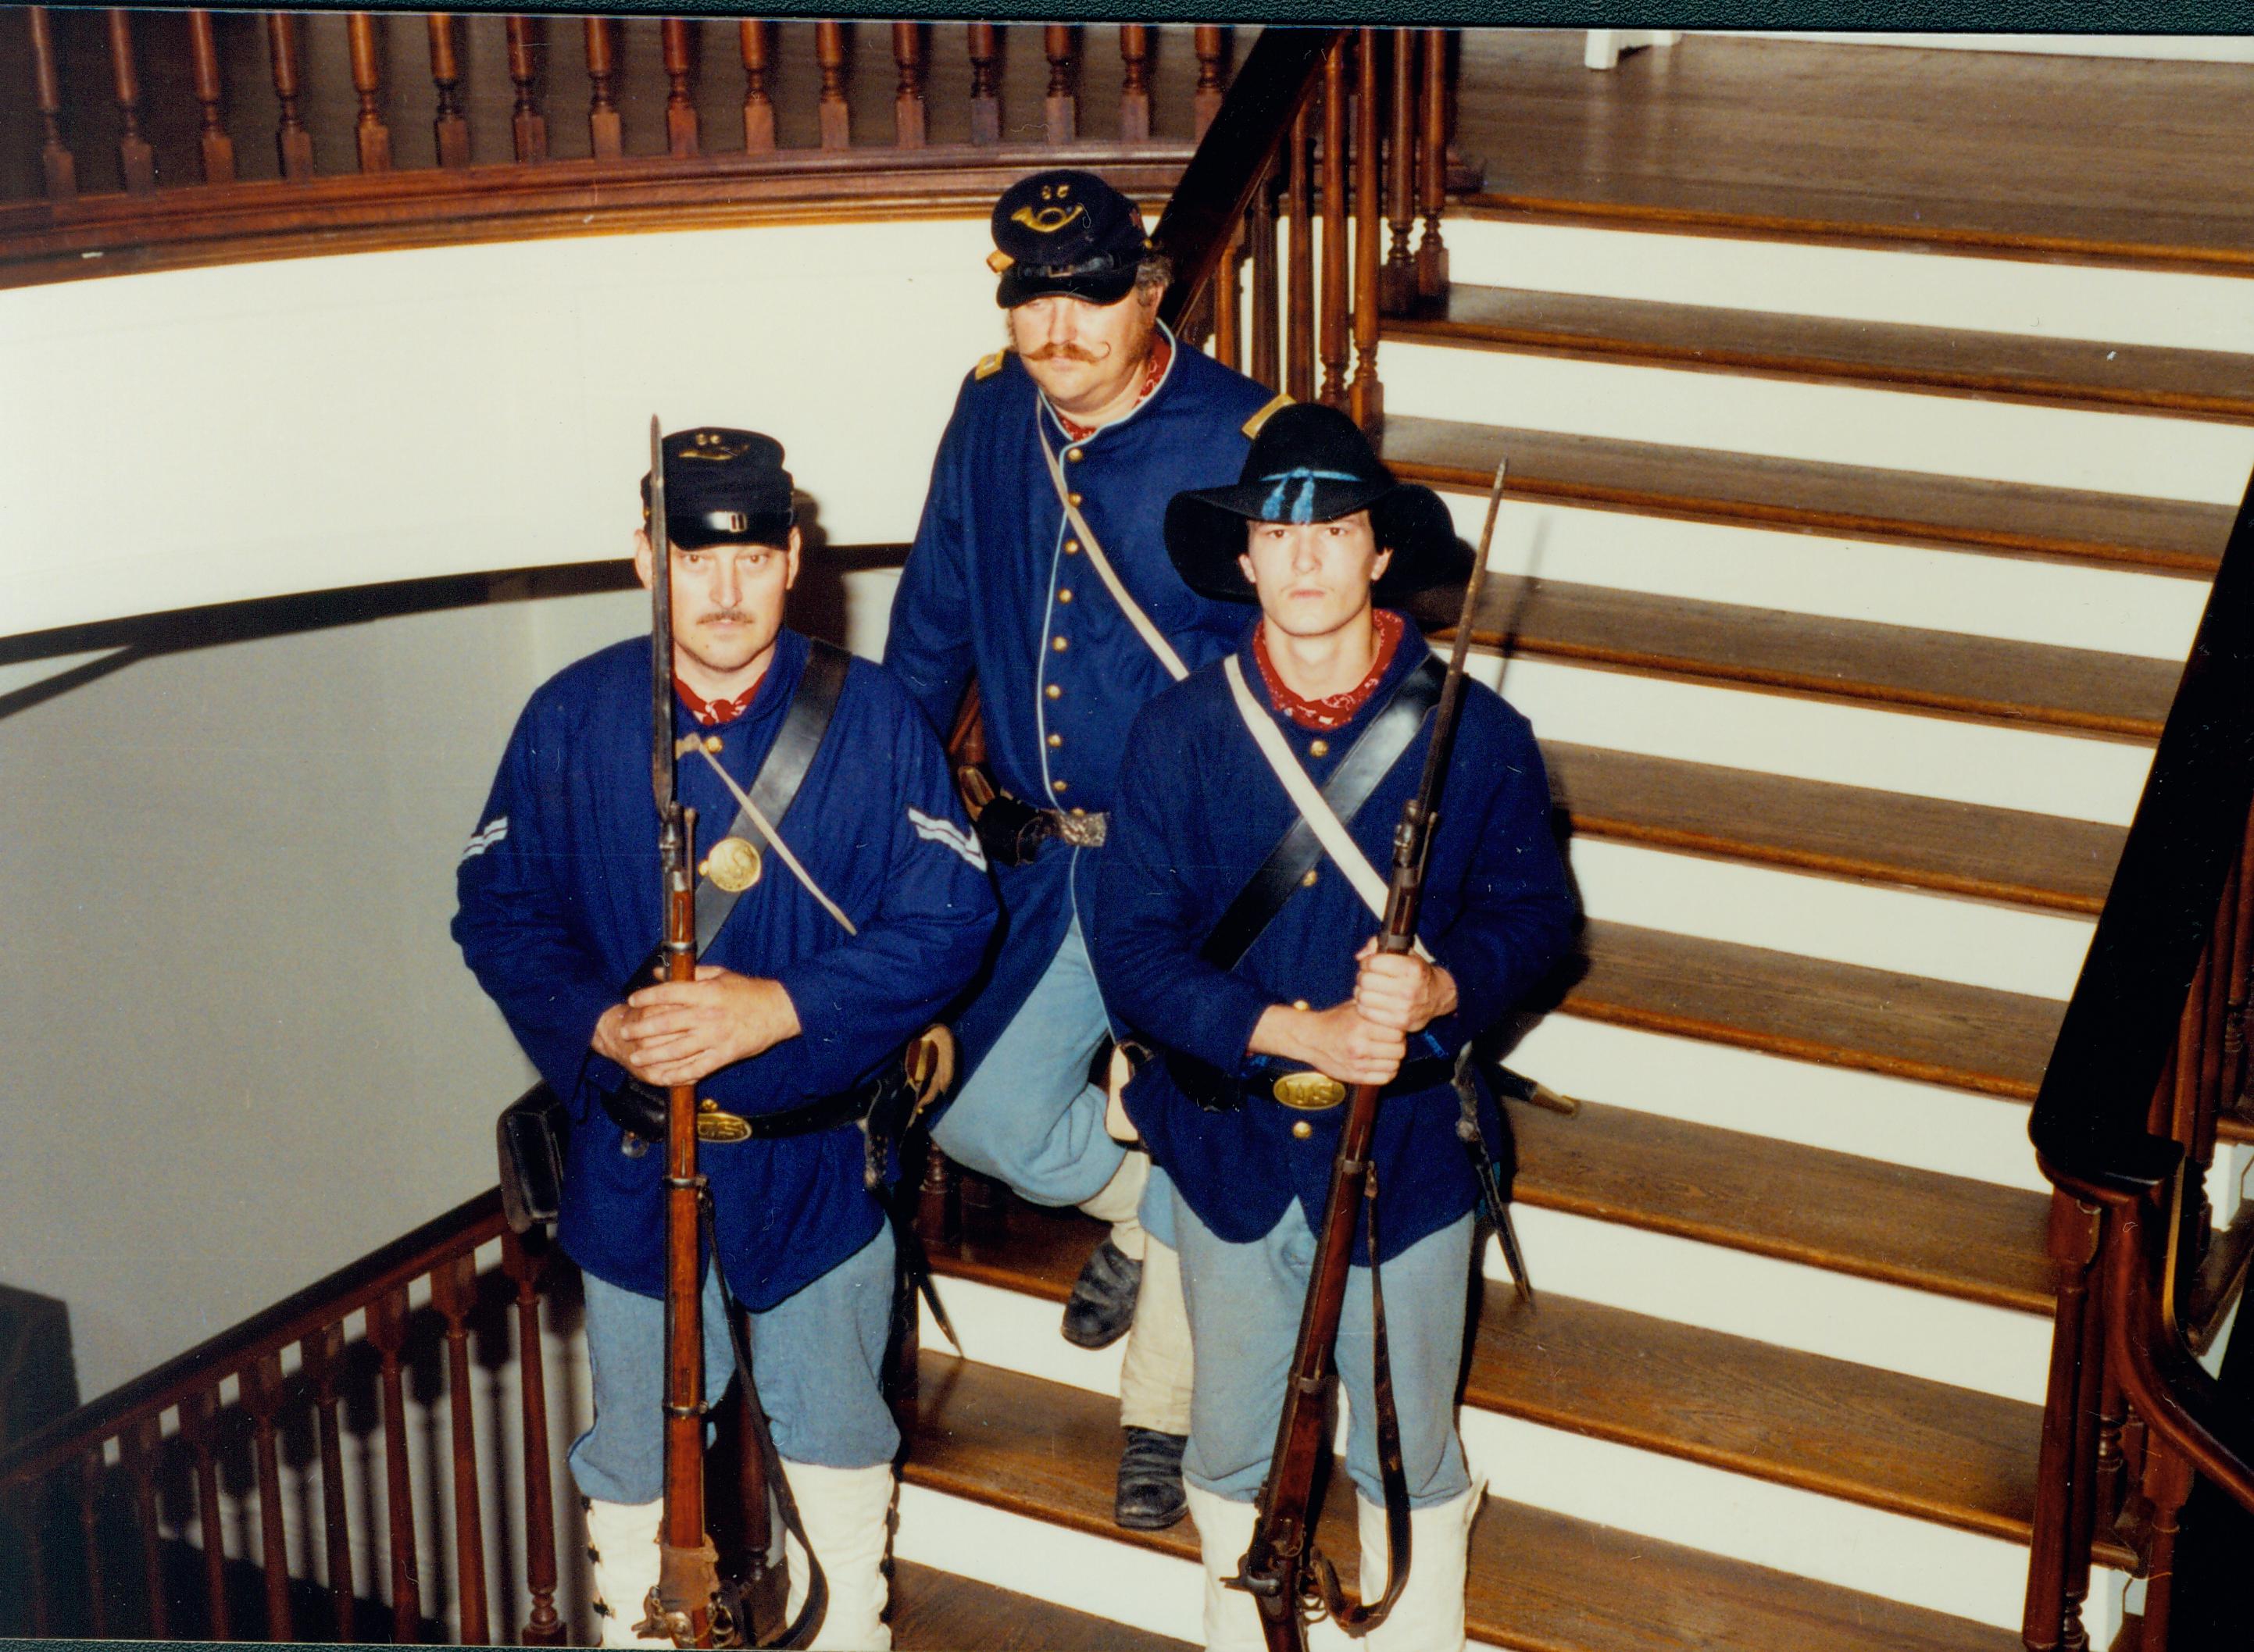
[(1287, 1580), (684, 1608)]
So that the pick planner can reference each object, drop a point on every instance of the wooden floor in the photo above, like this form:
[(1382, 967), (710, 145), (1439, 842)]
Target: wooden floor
[(2056, 156)]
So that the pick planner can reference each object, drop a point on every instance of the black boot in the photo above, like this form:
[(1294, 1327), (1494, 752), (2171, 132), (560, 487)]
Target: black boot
[(1150, 1496), (1102, 1305)]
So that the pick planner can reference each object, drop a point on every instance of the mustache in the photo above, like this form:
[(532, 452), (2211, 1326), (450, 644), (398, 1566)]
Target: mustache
[(735, 614), (1064, 353)]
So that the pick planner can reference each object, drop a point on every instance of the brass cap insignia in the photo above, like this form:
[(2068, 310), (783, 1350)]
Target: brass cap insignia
[(711, 444), (1046, 220)]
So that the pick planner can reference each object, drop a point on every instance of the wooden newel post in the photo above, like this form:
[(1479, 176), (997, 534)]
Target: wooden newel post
[(680, 134), (985, 50), (1060, 108), (1135, 83), (908, 126), (291, 141), (759, 107), (136, 159), (450, 126), (370, 135), (527, 125), (211, 93), (55, 159)]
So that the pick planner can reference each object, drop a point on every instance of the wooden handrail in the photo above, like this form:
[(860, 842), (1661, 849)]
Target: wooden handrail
[(304, 1314)]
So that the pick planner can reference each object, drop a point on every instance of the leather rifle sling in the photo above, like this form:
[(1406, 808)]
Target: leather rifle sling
[(1366, 762), (774, 788)]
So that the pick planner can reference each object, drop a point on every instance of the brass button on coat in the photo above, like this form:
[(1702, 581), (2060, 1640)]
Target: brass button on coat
[(1056, 786), (1064, 593), (1303, 1129), (1056, 740), (1319, 748), (1073, 455), (1053, 692), (1309, 880), (1058, 643), (1071, 548)]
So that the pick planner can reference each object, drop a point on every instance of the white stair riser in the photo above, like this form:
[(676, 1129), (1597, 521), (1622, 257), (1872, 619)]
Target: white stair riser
[(1889, 430), (1997, 1351), (2161, 308), (1925, 1126), (1890, 750), (1975, 943), (2018, 599), (1672, 1498), (1107, 1577)]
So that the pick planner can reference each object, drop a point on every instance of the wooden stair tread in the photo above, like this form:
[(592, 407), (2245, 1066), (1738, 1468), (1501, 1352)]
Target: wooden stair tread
[(1709, 485), (1944, 672), (2202, 383), (1995, 854), (1809, 1008), (937, 1611), (1903, 1444), (1824, 141), (1879, 1221), (1539, 1581)]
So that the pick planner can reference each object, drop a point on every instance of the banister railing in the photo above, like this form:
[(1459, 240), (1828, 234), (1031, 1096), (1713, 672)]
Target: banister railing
[(2151, 1068)]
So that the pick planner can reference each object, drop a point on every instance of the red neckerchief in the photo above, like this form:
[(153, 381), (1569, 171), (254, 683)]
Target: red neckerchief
[(1332, 711), (712, 713), (1161, 353)]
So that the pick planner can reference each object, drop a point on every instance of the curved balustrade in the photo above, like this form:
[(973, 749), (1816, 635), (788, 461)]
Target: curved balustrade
[(2150, 1070)]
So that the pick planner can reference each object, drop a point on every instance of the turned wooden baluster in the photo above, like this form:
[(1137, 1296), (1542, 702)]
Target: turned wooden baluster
[(2063, 1466), (939, 1211), (371, 134), (89, 1521), (292, 141), (387, 1331), (836, 118), (261, 1395), (985, 1208), (1211, 46), (324, 1355), (1229, 303), (1060, 108), (985, 49), (1432, 170), (605, 132), (527, 125), (2088, 1403), (1267, 342), (525, 1265), (1333, 295), (680, 134), (908, 124), (1366, 399), (199, 1421), (1299, 308), (758, 108), (55, 158), (1396, 293), (2167, 1485), (140, 1446), (136, 159), (1135, 86), (454, 1291), (211, 93), (450, 126)]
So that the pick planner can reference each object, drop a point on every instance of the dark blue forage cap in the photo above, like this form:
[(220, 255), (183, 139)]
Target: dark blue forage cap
[(723, 487), (1068, 232)]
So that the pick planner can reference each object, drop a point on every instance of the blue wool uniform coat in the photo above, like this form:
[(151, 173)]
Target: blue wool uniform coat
[(995, 583), (559, 900), (1199, 811)]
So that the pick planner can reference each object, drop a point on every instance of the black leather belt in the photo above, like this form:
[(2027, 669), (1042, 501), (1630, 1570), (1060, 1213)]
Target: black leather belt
[(1014, 832), (1301, 1089)]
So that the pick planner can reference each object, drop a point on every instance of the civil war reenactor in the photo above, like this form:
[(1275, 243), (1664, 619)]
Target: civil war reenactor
[(860, 907), (1236, 939), (1040, 566)]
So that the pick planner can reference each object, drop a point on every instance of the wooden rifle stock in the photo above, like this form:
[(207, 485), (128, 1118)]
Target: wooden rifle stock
[(1281, 1571)]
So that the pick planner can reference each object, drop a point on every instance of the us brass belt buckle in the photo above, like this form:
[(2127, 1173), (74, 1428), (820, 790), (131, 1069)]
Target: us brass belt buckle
[(713, 1125), (1309, 1092)]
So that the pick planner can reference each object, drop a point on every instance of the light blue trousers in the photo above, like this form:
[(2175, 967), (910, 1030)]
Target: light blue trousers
[(820, 1356), (1029, 1116), (1245, 1303)]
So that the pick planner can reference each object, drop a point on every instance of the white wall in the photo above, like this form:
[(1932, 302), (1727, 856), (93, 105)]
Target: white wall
[(241, 1050), (204, 436)]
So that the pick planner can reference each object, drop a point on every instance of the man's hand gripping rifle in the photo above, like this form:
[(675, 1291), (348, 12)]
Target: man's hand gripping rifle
[(1287, 1580)]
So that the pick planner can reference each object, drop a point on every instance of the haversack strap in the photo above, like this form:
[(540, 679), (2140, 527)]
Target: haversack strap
[(1141, 622), (1366, 762)]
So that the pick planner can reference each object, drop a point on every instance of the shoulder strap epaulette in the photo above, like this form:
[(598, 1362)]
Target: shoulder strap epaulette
[(988, 366), (1252, 425)]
